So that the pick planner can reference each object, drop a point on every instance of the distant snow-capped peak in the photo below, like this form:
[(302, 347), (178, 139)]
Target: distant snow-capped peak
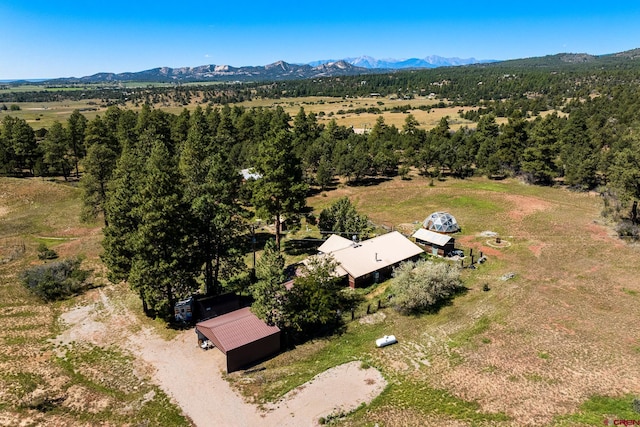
[(431, 61)]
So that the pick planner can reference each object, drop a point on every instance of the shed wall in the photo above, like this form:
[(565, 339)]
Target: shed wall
[(257, 350)]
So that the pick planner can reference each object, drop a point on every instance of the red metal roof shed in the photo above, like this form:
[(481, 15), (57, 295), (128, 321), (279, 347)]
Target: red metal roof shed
[(241, 336)]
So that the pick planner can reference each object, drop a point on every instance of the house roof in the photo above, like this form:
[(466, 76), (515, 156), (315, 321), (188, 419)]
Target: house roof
[(250, 173), (431, 237), (235, 329), (334, 243), (374, 254), (339, 271)]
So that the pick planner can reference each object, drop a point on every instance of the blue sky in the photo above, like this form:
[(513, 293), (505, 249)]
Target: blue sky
[(46, 39)]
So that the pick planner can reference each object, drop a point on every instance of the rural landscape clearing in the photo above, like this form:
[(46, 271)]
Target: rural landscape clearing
[(206, 221), (553, 343)]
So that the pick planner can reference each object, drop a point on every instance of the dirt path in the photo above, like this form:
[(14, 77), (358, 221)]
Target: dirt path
[(194, 380)]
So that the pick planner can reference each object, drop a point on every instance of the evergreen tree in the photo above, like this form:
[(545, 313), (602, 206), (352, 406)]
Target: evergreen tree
[(269, 293), (98, 167), (20, 142), (579, 153), (55, 150), (317, 298), (76, 126), (281, 190), (512, 142), (324, 173), (343, 218), (122, 214), (162, 267), (624, 171), (486, 134), (212, 192), (540, 158)]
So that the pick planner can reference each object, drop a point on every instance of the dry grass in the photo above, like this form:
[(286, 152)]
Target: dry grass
[(534, 348), (63, 384), (43, 115), (539, 345)]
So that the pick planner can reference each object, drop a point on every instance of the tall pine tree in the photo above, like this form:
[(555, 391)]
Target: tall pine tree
[(281, 189), (211, 191), (162, 267)]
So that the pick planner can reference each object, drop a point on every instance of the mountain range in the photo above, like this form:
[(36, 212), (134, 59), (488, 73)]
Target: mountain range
[(362, 65), (432, 61), (277, 71)]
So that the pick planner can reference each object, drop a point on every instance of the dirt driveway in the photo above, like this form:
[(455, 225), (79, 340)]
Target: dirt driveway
[(193, 377)]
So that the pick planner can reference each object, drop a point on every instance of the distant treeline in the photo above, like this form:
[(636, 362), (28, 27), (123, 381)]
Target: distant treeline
[(592, 140), (587, 146), (535, 84)]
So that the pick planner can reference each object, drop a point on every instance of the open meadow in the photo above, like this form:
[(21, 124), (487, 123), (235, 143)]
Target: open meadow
[(345, 111), (542, 348), (554, 341)]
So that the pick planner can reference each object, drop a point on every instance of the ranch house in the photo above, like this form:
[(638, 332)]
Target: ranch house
[(369, 261)]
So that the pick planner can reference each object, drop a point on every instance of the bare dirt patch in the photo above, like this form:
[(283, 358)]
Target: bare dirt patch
[(471, 242), (525, 205), (178, 365), (537, 248)]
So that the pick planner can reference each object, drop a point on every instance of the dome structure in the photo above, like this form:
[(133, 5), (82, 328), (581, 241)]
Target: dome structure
[(441, 222)]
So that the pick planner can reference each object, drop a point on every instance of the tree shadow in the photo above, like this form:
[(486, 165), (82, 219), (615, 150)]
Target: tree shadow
[(291, 338), (304, 246), (261, 238), (369, 181), (315, 190)]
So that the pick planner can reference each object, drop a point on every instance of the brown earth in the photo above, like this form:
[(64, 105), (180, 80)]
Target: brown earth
[(177, 366)]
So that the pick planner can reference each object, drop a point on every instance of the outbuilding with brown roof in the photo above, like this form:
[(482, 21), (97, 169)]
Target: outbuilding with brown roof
[(241, 336)]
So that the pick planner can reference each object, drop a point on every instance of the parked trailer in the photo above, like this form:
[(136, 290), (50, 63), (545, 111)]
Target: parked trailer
[(200, 307)]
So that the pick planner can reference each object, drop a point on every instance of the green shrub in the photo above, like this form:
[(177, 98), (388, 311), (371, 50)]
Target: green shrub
[(628, 230), (56, 280), (45, 253), (424, 286)]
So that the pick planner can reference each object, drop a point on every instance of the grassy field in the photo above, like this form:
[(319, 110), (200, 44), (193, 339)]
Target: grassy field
[(42, 383), (558, 344), (43, 115)]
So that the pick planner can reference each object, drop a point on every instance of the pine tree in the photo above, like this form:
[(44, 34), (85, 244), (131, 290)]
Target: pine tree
[(281, 189), (122, 214), (98, 167), (269, 293), (162, 264), (211, 189), (76, 126), (55, 148), (342, 217)]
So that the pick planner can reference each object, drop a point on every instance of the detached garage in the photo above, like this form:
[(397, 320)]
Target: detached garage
[(241, 336)]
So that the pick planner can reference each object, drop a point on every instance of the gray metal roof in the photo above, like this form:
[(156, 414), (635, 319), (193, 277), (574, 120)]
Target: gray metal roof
[(431, 237)]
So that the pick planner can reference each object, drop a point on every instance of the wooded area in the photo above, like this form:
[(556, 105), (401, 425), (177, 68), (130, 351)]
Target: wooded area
[(175, 206)]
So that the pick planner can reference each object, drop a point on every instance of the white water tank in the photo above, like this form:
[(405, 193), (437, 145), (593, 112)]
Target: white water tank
[(386, 340)]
